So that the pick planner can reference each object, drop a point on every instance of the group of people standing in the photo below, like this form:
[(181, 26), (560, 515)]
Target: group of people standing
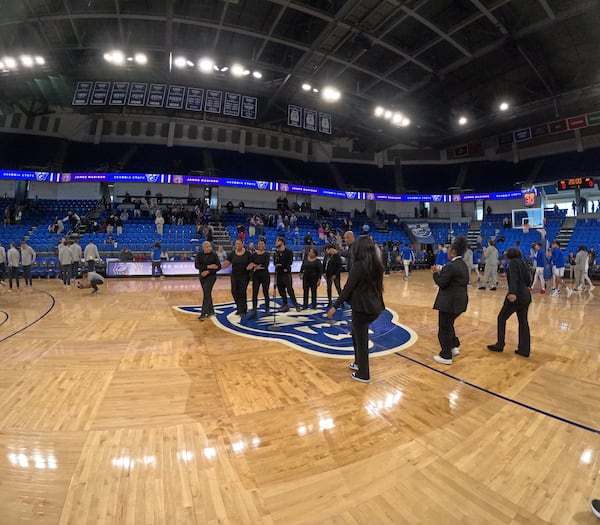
[(11, 260)]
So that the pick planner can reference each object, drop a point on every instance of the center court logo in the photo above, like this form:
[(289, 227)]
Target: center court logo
[(310, 331)]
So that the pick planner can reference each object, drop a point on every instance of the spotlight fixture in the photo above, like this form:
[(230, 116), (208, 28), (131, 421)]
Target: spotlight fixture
[(1, 65), (40, 61), (397, 118), (108, 57), (331, 94), (315, 90), (237, 70), (224, 69), (462, 121), (503, 106), (387, 115), (378, 111), (179, 62), (118, 57), (189, 63), (140, 58), (10, 63), (26, 60), (306, 87), (206, 65), (405, 122), (257, 74)]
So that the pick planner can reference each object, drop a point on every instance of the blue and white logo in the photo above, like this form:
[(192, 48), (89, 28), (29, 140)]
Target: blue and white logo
[(41, 176), (310, 331), (153, 177), (262, 185)]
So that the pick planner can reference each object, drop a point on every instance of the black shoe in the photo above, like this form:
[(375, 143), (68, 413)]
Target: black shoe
[(493, 288), (494, 348), (284, 308), (252, 315), (298, 308), (303, 308), (522, 354), (202, 317), (482, 287)]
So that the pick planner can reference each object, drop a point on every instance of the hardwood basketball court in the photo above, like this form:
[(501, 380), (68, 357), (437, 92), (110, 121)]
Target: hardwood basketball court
[(117, 408)]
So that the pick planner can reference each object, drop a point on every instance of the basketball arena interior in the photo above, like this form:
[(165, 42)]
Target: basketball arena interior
[(140, 130)]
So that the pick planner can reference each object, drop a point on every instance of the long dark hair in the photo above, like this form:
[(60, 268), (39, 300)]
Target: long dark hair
[(365, 252)]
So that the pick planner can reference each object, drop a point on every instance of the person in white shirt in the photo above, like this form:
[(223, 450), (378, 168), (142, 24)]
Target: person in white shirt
[(65, 258), (13, 258), (27, 259), (77, 254), (90, 254), (160, 222)]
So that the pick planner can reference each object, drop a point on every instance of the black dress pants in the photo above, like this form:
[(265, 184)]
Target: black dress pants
[(310, 284), (284, 287), (239, 288), (333, 281), (360, 340), (260, 279), (207, 284), (521, 310), (446, 334)]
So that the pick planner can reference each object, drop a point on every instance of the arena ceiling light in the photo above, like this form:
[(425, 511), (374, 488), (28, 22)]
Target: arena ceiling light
[(306, 87), (10, 63), (40, 61), (257, 74), (331, 94), (462, 121), (237, 70), (27, 60), (387, 114), (115, 57), (140, 58), (503, 106), (378, 111), (206, 64), (179, 62)]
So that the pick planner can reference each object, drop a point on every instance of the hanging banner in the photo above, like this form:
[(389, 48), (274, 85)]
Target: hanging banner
[(310, 119), (194, 99), (82, 93), (460, 151), (577, 122), (175, 97), (294, 116), (249, 107), (325, 123), (231, 106), (213, 100), (137, 94), (539, 131), (558, 126), (593, 119), (157, 96), (100, 93), (522, 134), (118, 95)]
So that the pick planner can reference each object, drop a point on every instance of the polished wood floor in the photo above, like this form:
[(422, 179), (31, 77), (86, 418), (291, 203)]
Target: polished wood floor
[(116, 409)]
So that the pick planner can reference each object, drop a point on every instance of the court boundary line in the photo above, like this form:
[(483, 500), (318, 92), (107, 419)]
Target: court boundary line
[(35, 320), (6, 318), (500, 396)]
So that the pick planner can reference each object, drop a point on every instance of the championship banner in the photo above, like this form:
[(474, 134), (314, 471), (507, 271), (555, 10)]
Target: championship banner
[(421, 231), (194, 99), (539, 131), (213, 100), (175, 97), (100, 93), (137, 94), (157, 95), (593, 118), (460, 151), (310, 119), (82, 93), (232, 104), (558, 126), (249, 107), (522, 134), (577, 122), (294, 116), (118, 95), (325, 123)]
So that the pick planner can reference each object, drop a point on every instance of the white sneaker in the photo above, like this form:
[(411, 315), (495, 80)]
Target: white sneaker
[(555, 293), (591, 288), (569, 292), (455, 351), (441, 360)]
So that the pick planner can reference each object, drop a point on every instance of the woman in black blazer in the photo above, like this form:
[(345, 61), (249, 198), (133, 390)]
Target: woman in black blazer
[(364, 292), (517, 301), (451, 300)]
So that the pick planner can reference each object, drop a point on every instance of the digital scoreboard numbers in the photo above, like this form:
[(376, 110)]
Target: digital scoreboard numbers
[(576, 183), (529, 198)]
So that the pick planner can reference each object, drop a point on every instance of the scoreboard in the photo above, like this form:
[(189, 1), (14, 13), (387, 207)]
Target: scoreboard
[(575, 183)]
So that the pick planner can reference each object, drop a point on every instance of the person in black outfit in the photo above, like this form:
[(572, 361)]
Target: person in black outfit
[(332, 264), (517, 301), (364, 292), (239, 260), (259, 268), (311, 271), (283, 258), (452, 299), (207, 263)]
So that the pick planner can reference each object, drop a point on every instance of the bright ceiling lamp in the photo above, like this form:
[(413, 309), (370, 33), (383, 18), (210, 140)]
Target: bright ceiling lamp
[(179, 62), (206, 65), (10, 63), (462, 121), (387, 115), (397, 118), (405, 122), (118, 57), (140, 58), (237, 70), (378, 111), (26, 60), (503, 106), (306, 87), (331, 94), (40, 61), (257, 74)]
